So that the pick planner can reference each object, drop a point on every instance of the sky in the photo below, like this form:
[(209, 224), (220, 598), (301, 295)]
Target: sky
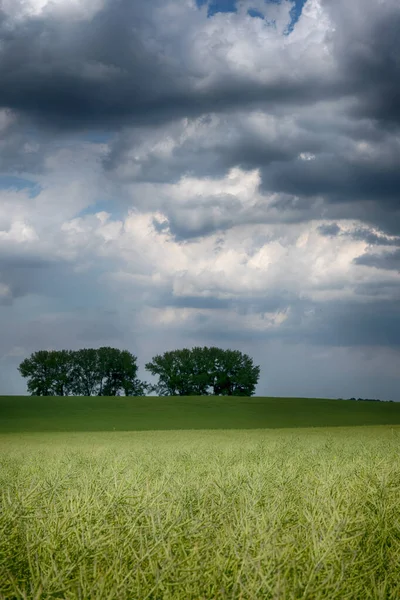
[(177, 173)]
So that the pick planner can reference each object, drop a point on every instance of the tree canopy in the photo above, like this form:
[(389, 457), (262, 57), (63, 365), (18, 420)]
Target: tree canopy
[(111, 372), (48, 373), (204, 371), (88, 372)]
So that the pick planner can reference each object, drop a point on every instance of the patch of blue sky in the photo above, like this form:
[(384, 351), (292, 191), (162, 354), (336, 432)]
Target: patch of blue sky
[(224, 6), (295, 13), (11, 182), (218, 6)]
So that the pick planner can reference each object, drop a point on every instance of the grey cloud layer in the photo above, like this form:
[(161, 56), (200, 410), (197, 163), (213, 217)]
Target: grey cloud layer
[(206, 146), (387, 260), (129, 63), (121, 66), (367, 46)]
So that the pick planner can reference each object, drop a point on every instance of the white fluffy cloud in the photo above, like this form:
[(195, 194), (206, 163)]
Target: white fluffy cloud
[(22, 9)]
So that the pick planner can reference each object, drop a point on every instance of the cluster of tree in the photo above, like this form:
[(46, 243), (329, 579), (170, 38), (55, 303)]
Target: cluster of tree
[(366, 399), (111, 372), (203, 372), (87, 372)]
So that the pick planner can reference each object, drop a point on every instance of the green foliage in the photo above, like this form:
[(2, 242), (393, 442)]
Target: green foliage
[(204, 371), (104, 372), (85, 374), (175, 372), (109, 372), (49, 372), (232, 373)]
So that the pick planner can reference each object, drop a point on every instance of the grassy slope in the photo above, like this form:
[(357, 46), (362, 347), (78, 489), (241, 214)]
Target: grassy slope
[(26, 413)]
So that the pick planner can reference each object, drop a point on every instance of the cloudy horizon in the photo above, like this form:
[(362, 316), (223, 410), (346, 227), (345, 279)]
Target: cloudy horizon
[(181, 173)]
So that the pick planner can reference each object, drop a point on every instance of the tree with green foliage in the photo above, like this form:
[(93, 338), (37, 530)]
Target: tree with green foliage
[(174, 373), (201, 370), (204, 371), (117, 371), (232, 373), (49, 372), (103, 372), (85, 372)]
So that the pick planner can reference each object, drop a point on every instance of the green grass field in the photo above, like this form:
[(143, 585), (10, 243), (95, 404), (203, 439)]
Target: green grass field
[(301, 512), (25, 413)]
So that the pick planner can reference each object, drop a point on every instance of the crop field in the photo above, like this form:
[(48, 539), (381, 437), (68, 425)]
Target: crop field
[(280, 513)]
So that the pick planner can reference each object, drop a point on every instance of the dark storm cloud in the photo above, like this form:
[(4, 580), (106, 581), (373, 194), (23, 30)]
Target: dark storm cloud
[(120, 68), (349, 189), (387, 260), (22, 275), (43, 60), (207, 215), (338, 179), (235, 146), (329, 230), (115, 69), (362, 234), (370, 58), (335, 180), (365, 235)]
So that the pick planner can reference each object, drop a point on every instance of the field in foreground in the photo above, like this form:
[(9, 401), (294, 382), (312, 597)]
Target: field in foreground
[(26, 413), (277, 514)]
